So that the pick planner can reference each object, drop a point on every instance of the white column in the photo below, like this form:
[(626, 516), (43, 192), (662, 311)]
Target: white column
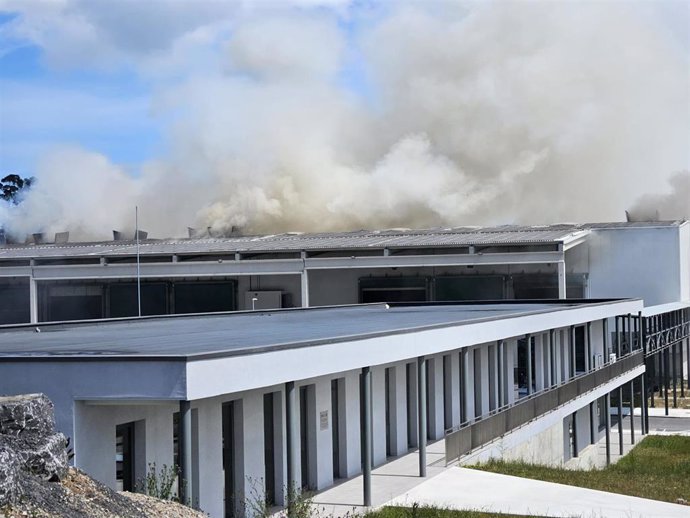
[(305, 288), (561, 279), (324, 434), (211, 481), (509, 369), (378, 411), (399, 410), (565, 352), (435, 396), (483, 383), (539, 362), (468, 380), (557, 357), (493, 365), (33, 300), (353, 437), (548, 360), (252, 440), (454, 391)]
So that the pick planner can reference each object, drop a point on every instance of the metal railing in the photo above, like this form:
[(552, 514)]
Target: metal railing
[(472, 435)]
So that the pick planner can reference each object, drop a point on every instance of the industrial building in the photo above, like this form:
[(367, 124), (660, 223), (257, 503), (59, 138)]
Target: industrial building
[(506, 341), (60, 281)]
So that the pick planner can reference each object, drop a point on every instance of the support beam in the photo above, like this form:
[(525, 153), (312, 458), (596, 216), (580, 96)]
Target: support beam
[(592, 424), (682, 381), (674, 356), (421, 417), (292, 444), (528, 340), (33, 300), (664, 356), (366, 435), (607, 404), (573, 355), (589, 363), (650, 365), (562, 292), (305, 288), (500, 373), (185, 444), (620, 420), (576, 446), (687, 360), (632, 411), (645, 408), (606, 342)]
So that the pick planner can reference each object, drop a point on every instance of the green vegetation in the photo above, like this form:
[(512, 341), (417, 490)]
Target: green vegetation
[(657, 468), (160, 483), (417, 511)]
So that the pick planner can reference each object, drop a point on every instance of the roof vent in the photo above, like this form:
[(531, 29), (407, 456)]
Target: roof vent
[(141, 235), (192, 232), (3, 236), (117, 235), (38, 238), (61, 237)]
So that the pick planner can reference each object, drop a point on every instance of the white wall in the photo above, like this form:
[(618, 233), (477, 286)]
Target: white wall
[(542, 440), (95, 434), (640, 262), (684, 250)]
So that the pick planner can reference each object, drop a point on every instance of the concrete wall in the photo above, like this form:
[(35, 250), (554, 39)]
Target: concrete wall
[(542, 441)]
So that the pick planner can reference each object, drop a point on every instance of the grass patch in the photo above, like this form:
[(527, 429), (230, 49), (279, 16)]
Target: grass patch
[(657, 468), (422, 511)]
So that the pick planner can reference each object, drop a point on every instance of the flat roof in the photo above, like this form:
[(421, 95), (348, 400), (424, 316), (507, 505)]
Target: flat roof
[(297, 241), (232, 334)]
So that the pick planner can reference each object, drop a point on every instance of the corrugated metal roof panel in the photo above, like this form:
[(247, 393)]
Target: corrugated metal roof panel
[(292, 242)]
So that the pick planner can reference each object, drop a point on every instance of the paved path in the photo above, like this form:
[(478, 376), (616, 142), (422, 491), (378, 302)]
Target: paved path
[(462, 488), (397, 482), (387, 482)]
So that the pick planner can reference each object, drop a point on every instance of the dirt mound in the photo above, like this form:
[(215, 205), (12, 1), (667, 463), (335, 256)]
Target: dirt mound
[(80, 496)]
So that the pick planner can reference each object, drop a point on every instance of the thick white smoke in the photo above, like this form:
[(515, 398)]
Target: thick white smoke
[(670, 205), (508, 112)]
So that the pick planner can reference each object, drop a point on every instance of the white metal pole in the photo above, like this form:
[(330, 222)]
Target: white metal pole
[(136, 225)]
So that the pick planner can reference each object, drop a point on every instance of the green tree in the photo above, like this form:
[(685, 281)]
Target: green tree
[(12, 185)]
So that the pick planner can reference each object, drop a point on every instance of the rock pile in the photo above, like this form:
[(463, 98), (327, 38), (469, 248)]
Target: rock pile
[(36, 479), (29, 445)]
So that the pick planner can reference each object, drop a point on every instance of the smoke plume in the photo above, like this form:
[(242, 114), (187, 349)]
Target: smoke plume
[(485, 113), (669, 206)]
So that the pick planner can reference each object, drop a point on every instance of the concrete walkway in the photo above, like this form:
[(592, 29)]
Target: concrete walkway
[(398, 483), (462, 488), (388, 481)]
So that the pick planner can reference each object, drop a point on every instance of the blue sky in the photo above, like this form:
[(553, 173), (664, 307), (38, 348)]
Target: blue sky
[(53, 101), (42, 107)]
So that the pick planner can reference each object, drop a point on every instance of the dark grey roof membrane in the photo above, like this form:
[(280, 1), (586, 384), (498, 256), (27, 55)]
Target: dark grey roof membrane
[(245, 332)]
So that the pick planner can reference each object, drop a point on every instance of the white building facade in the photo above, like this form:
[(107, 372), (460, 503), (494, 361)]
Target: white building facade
[(276, 399)]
